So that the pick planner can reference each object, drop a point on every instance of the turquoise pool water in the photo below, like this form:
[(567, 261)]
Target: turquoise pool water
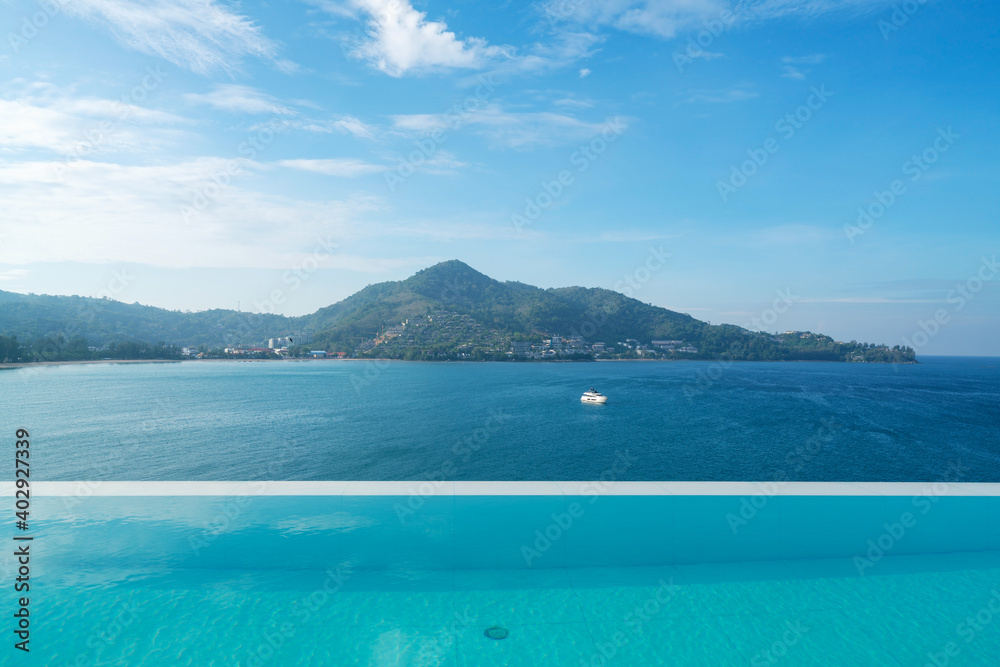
[(910, 610), (350, 580)]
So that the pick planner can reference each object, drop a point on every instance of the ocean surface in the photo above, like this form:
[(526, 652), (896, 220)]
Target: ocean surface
[(372, 420)]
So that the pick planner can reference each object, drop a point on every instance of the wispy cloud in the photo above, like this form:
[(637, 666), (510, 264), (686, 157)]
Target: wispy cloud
[(790, 65), (520, 130), (134, 212), (737, 94), (240, 99), (203, 36), (295, 124), (792, 72), (563, 50), (573, 102), (813, 59), (627, 236), (343, 167), (13, 275), (703, 55), (355, 127), (669, 19), (906, 290), (441, 163), (851, 299), (41, 118), (47, 95), (773, 9), (664, 19), (28, 126)]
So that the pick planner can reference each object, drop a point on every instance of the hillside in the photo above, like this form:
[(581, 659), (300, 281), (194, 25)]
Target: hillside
[(449, 310)]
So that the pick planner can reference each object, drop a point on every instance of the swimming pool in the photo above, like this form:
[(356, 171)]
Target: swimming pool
[(591, 573)]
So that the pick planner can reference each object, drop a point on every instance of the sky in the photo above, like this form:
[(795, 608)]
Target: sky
[(823, 165)]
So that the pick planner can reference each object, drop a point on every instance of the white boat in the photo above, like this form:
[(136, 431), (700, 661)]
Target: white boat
[(593, 396)]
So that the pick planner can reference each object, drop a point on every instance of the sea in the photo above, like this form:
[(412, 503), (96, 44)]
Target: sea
[(391, 420)]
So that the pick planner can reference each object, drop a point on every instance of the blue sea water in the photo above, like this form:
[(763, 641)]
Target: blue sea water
[(328, 420)]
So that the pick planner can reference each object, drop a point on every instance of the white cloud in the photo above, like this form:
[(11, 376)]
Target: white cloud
[(354, 126), (584, 73), (868, 300), (791, 72), (668, 18), (573, 102), (13, 275), (771, 9), (41, 119), (134, 213), (813, 59), (662, 18), (526, 130), (420, 122), (346, 124), (26, 125), (520, 130), (400, 39), (628, 236), (240, 99), (50, 96), (297, 124), (201, 35), (441, 163), (736, 94), (790, 69), (703, 55), (344, 167), (565, 49)]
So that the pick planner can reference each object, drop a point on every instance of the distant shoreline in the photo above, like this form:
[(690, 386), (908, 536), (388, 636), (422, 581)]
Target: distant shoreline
[(31, 364)]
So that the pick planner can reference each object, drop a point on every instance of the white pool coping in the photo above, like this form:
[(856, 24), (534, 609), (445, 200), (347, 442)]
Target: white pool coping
[(539, 488)]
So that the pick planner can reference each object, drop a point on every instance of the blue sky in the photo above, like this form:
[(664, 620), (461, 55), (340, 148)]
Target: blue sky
[(284, 155)]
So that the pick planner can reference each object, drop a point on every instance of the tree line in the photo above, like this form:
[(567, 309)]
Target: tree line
[(77, 348)]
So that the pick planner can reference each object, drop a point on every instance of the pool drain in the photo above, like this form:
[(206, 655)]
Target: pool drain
[(497, 632)]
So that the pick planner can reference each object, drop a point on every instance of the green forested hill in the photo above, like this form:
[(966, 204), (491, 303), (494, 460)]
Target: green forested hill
[(105, 320), (50, 327), (511, 306)]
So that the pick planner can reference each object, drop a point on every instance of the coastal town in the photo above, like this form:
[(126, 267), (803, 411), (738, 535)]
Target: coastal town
[(444, 334)]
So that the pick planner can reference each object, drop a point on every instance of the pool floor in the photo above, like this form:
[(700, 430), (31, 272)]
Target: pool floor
[(905, 610)]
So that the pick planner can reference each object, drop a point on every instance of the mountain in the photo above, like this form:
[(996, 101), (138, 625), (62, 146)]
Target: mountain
[(596, 314), (103, 321), (449, 310)]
